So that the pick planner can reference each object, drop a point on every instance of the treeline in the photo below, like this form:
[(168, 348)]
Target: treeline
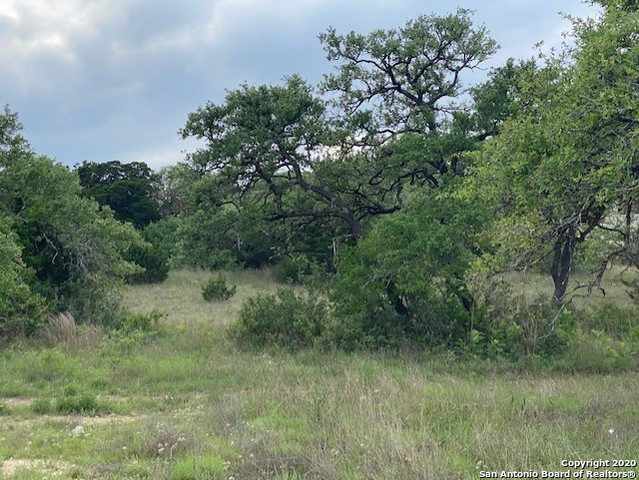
[(390, 187)]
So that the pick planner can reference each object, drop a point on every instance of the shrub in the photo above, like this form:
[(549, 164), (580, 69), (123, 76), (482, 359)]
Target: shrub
[(508, 326), (216, 288), (87, 404), (284, 319), (615, 320), (144, 322), (406, 280), (20, 309), (286, 270), (597, 353), (154, 261)]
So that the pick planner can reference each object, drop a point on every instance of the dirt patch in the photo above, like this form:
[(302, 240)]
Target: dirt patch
[(71, 421), (17, 401), (108, 420), (9, 468)]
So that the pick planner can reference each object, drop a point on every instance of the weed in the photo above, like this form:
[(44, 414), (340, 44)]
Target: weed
[(85, 404), (161, 441), (42, 406), (198, 468), (60, 329)]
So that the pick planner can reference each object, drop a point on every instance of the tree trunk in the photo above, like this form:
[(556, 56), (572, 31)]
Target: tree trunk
[(562, 265)]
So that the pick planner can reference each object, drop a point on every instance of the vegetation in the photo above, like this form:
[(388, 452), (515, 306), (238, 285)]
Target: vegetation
[(131, 189), (398, 201), (61, 247), (286, 320), (216, 288), (572, 166), (186, 403), (417, 225)]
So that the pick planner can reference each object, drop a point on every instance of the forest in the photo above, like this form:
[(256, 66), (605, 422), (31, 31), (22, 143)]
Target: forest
[(393, 202)]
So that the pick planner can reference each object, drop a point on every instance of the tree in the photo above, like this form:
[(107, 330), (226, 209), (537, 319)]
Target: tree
[(406, 280), (307, 161), (59, 244), (266, 142), (400, 88), (566, 164), (407, 77), (130, 189), (20, 309)]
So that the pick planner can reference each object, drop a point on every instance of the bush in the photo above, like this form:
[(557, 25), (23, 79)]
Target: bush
[(217, 289), (509, 326), (85, 404), (405, 282), (144, 322), (597, 353), (21, 311), (286, 270), (300, 269), (154, 262), (616, 321), (285, 319)]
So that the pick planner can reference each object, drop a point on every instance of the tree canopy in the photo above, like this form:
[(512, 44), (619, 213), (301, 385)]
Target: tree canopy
[(339, 162), (60, 247), (566, 164), (130, 189)]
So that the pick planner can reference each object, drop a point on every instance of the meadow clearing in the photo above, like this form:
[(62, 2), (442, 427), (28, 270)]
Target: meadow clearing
[(179, 401)]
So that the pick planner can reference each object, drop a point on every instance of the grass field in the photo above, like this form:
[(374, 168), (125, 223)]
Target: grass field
[(182, 403)]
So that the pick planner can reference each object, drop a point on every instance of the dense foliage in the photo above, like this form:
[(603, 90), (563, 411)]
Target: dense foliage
[(393, 189), (571, 154), (62, 251), (130, 189), (405, 282)]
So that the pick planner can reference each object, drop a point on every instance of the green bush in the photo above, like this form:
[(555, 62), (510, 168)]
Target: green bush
[(144, 322), (87, 404), (509, 326), (154, 261), (286, 270), (597, 353), (285, 319), (21, 311), (216, 288), (616, 321), (405, 282)]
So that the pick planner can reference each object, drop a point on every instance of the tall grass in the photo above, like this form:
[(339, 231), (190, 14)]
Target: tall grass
[(184, 403)]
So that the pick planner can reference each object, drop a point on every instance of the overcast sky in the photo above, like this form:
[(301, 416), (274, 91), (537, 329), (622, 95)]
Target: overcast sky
[(102, 80)]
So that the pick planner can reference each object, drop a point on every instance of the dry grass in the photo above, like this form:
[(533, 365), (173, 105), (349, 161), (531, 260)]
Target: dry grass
[(534, 286), (180, 296), (61, 329)]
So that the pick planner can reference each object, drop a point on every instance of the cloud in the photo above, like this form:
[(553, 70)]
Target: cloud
[(115, 79)]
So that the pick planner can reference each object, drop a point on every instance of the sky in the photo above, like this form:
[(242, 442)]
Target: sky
[(102, 80)]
